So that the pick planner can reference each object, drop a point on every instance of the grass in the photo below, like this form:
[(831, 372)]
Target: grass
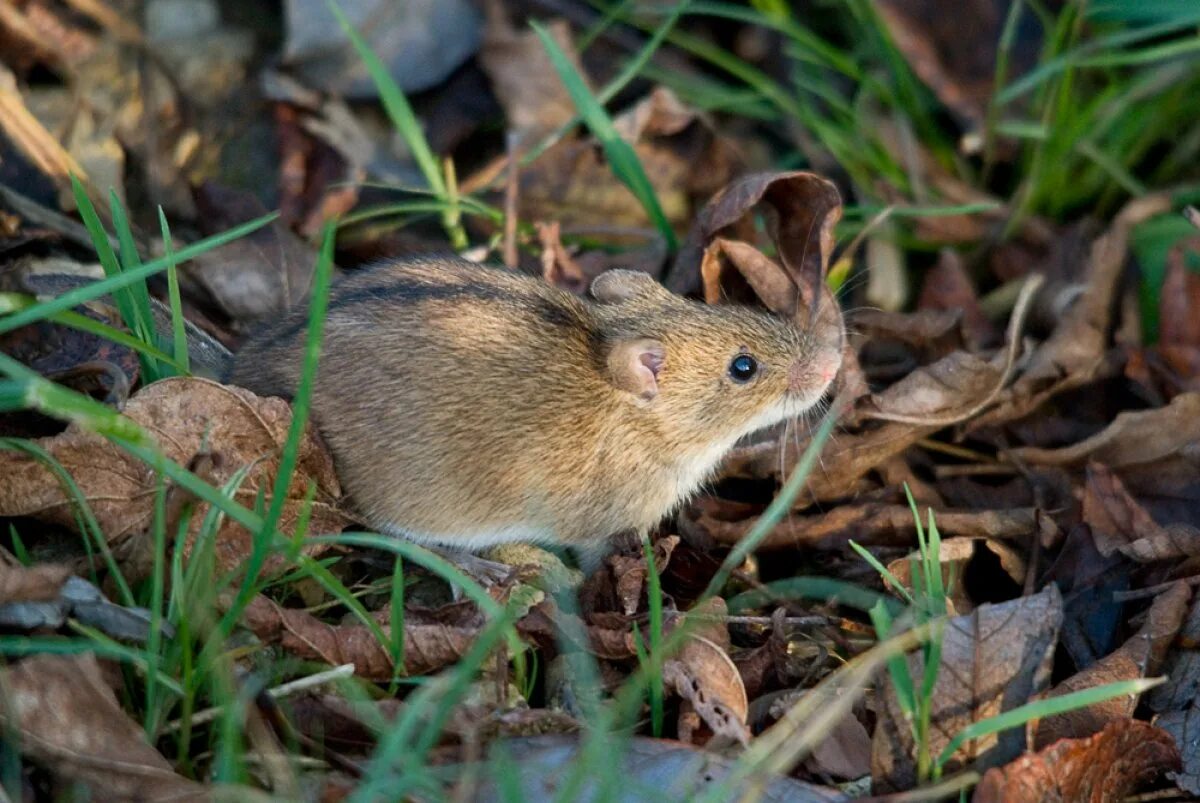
[(928, 605), (622, 158), (400, 111), (1104, 115)]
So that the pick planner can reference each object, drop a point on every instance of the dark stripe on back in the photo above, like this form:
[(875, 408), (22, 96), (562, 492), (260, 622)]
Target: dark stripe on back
[(405, 292)]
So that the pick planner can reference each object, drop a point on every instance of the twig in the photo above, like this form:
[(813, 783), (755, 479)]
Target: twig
[(1015, 326), (277, 693), (1153, 591), (510, 200)]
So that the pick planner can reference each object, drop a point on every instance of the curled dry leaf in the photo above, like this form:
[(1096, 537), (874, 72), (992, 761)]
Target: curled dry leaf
[(711, 687), (993, 660), (1108, 766), (631, 572), (70, 722), (958, 386), (1138, 657), (803, 209), (180, 415)]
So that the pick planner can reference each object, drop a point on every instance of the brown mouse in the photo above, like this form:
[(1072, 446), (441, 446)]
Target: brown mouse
[(467, 405)]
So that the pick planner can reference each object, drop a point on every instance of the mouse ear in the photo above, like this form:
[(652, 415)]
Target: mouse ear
[(634, 366), (614, 286)]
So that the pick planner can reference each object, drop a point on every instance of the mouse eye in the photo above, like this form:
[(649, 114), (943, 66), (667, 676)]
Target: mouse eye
[(743, 368)]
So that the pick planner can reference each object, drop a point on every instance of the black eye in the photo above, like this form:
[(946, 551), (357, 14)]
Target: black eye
[(743, 368)]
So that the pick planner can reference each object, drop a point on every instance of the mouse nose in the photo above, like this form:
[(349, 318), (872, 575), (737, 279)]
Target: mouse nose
[(814, 373)]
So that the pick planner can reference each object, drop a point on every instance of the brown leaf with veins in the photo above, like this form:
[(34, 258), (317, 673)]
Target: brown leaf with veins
[(181, 415), (69, 721), (1108, 766), (993, 660), (1140, 656)]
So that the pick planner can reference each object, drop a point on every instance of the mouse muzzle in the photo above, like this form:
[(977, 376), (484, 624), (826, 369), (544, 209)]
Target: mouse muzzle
[(810, 375)]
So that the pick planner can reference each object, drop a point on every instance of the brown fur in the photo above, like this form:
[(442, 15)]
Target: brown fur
[(470, 405)]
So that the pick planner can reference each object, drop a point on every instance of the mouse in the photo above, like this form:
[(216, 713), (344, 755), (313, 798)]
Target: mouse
[(468, 405)]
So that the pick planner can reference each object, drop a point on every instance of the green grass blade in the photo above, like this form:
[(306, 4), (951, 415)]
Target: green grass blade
[(400, 112), (1039, 709), (883, 571), (654, 601), (264, 537), (178, 332), (82, 323), (104, 251), (113, 284), (621, 156), (130, 260), (396, 617)]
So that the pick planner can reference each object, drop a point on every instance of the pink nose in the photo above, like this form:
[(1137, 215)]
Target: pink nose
[(813, 373)]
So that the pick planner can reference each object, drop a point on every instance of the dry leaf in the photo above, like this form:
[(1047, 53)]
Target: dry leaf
[(956, 553), (180, 414), (803, 207), (993, 660), (1182, 669), (261, 274), (1133, 438), (70, 722), (711, 687), (1138, 657), (1074, 355), (1183, 727), (427, 647), (645, 769), (873, 524), (1108, 766), (535, 101), (1120, 523)]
